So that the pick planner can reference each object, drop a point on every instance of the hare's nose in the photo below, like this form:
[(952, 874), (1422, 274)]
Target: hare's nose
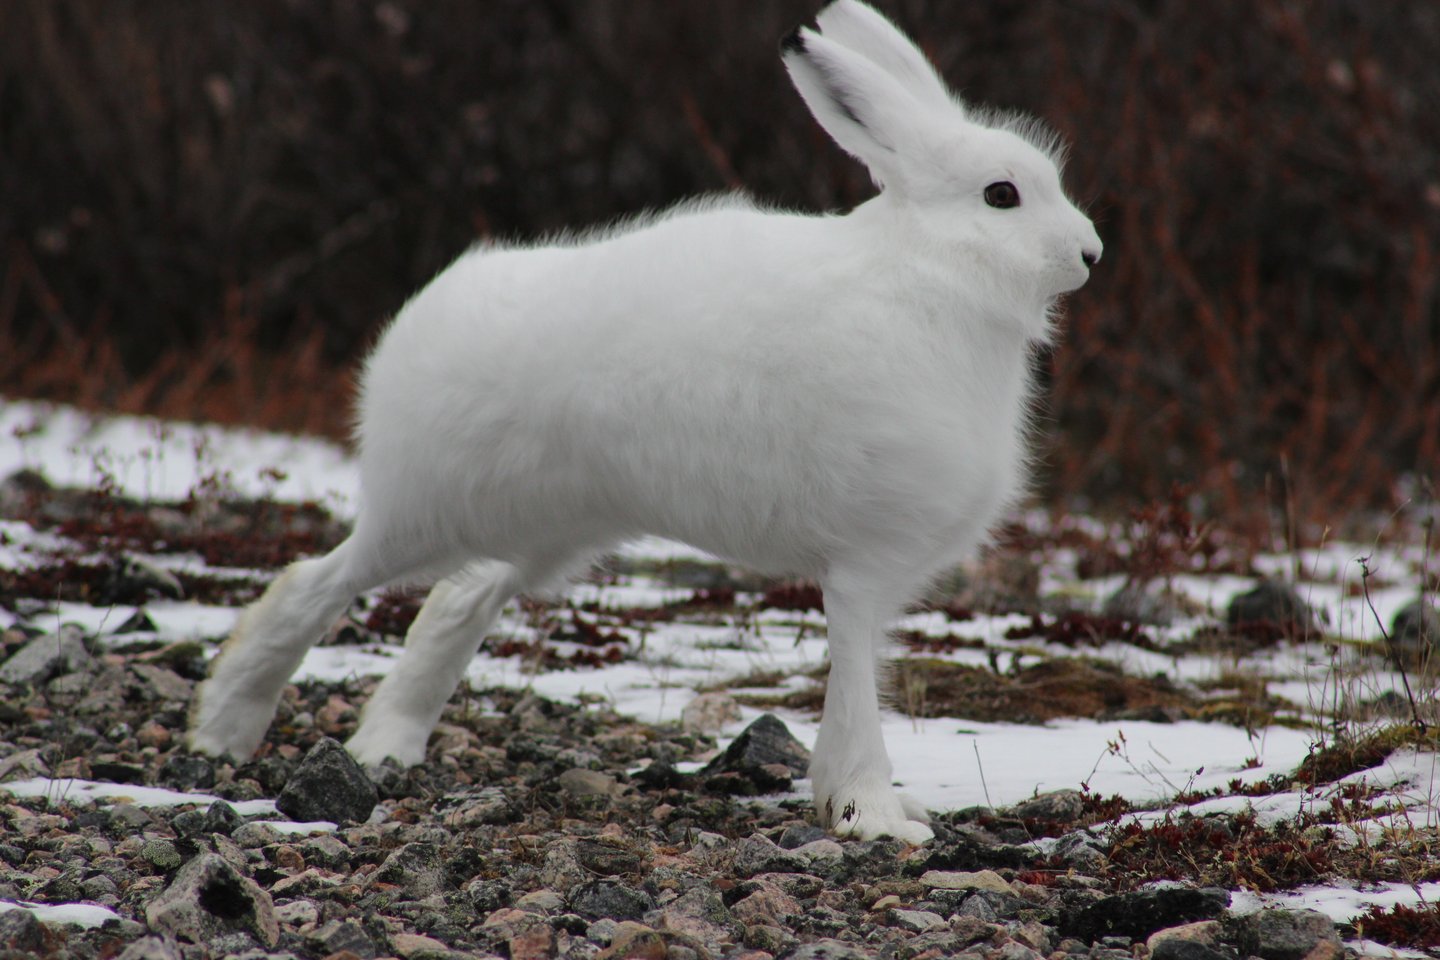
[(1091, 257)]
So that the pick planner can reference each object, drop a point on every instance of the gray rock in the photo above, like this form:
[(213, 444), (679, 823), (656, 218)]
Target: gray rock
[(996, 906), (949, 943), (137, 622), (1207, 932), (759, 854), (415, 868), (699, 913), (161, 684), (107, 690), (1137, 915), (328, 785), (1079, 850), (61, 889), (561, 868), (917, 921), (483, 806), (543, 901), (133, 578), (1059, 805), (759, 751), (23, 765), (1015, 950), (325, 851), (100, 888), (979, 907), (772, 939), (188, 772), (601, 931), (802, 885), (579, 782), (222, 818), (188, 824), (609, 899), (821, 852), (209, 898), (339, 935), (129, 816), (21, 490), (22, 932), (828, 950), (161, 854), (47, 657), (1153, 603), (1284, 934), (800, 834), (606, 858), (254, 834), (965, 880), (709, 713), (152, 948), (766, 901), (1415, 632), (1179, 949), (486, 896), (240, 946), (1272, 602)]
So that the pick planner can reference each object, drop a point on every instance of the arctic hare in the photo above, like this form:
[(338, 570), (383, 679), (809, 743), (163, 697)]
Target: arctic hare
[(836, 397)]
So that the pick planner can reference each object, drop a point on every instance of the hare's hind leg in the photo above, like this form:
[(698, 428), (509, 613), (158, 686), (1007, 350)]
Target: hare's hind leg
[(850, 770), (233, 708), (445, 635)]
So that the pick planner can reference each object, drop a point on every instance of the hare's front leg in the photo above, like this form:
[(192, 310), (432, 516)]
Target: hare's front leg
[(850, 770)]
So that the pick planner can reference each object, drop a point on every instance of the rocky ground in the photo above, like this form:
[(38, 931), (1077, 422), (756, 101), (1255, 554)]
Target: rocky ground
[(542, 829), (545, 830)]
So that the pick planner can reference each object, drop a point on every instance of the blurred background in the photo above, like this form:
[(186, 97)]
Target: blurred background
[(209, 210)]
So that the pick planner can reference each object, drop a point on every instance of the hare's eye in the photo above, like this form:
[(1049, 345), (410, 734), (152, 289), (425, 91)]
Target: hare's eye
[(1002, 195)]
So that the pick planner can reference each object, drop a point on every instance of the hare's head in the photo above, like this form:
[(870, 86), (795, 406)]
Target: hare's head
[(982, 187)]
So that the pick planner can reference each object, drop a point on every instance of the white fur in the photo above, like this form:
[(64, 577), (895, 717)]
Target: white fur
[(836, 397)]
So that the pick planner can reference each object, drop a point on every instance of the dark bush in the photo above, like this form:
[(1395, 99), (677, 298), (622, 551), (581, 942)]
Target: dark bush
[(210, 209)]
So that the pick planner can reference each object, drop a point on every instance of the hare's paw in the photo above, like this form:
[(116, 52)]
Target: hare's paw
[(389, 736), (870, 810), (222, 721)]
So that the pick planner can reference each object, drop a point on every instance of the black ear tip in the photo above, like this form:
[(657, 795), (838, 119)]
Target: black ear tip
[(792, 42)]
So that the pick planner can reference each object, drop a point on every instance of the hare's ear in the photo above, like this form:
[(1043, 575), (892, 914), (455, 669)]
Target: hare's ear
[(863, 29), (866, 110)]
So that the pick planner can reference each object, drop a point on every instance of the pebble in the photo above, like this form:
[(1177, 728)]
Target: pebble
[(760, 854), (1273, 602), (1202, 931), (1140, 913), (765, 903), (1279, 934), (634, 941), (609, 898), (965, 880), (162, 854), (580, 782), (410, 944), (917, 921), (339, 936), (209, 898), (296, 913), (710, 713), (46, 657), (1415, 632), (328, 785)]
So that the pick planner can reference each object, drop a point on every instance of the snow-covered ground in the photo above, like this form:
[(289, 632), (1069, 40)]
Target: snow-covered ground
[(945, 763)]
